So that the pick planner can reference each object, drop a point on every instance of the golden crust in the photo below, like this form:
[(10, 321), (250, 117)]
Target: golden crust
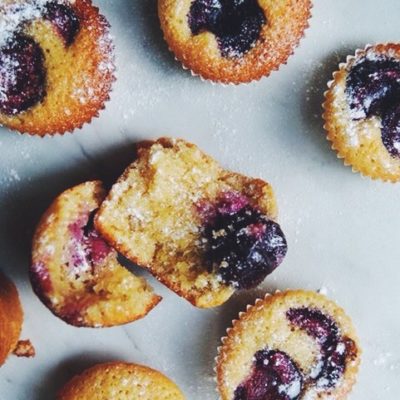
[(150, 215), (286, 23), (105, 294), (79, 77), (120, 381), (263, 325), (11, 317), (358, 143)]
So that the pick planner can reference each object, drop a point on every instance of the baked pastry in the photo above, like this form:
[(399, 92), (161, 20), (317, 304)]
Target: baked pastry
[(56, 64), (11, 318), (76, 274), (362, 111), (120, 381), (233, 41), (289, 346), (201, 230)]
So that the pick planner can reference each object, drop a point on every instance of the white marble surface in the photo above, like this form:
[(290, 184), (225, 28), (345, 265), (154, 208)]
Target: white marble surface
[(343, 230)]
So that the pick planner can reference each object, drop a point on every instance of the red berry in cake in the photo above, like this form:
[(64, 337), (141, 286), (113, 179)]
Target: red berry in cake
[(274, 376), (22, 75), (64, 19), (242, 245), (236, 24), (335, 350)]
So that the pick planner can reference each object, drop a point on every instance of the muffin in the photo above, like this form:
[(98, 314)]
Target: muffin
[(201, 230), (76, 274), (362, 112), (233, 41), (289, 346), (56, 65), (120, 381), (11, 318)]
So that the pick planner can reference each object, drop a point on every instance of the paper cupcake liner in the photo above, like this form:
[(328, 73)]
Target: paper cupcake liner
[(330, 126), (259, 304), (254, 79), (105, 40)]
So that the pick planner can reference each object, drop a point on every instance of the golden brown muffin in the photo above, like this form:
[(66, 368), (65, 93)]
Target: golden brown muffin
[(11, 318), (201, 230), (76, 274), (56, 65), (233, 42), (120, 381), (362, 112), (292, 345)]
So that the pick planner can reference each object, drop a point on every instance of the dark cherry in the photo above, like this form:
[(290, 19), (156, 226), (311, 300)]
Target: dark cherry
[(235, 23), (274, 376), (335, 349), (22, 75), (391, 130), (242, 245), (64, 19), (87, 246), (373, 89)]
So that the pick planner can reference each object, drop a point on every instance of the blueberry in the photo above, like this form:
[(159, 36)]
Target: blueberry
[(274, 376), (64, 19), (22, 75), (373, 89), (335, 349), (235, 23), (243, 246)]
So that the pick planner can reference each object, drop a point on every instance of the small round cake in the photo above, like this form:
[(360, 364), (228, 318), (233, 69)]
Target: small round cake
[(56, 65), (200, 229), (362, 111), (230, 41), (76, 274), (289, 346), (120, 381), (11, 318)]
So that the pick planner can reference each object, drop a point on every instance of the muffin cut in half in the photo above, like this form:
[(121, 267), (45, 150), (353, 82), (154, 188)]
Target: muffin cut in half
[(292, 345), (76, 274), (56, 64), (362, 111), (120, 381), (230, 41), (201, 230)]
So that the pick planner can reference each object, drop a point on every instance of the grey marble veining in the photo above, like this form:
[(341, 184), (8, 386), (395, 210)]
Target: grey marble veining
[(343, 230)]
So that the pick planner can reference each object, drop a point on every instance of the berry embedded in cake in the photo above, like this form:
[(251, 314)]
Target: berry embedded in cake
[(274, 376), (64, 19), (198, 228), (22, 75), (56, 65), (241, 244), (233, 41), (362, 112), (236, 24), (76, 273), (373, 89), (290, 346)]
